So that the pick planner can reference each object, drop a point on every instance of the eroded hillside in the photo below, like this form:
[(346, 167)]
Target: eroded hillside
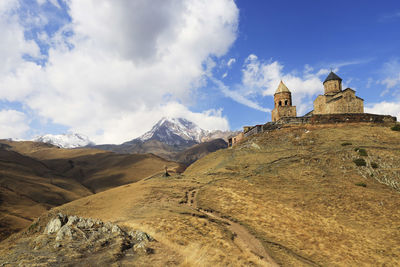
[(35, 177), (292, 197)]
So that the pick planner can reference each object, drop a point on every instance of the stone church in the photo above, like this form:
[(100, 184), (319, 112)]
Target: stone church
[(333, 101), (283, 103), (334, 106), (336, 101)]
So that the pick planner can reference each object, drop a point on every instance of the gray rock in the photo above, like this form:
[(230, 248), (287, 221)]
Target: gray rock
[(89, 223), (72, 220), (116, 229), (108, 225), (82, 224), (65, 231), (140, 236), (53, 226), (140, 248)]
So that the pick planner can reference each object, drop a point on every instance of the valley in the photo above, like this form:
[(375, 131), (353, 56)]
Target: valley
[(35, 177), (296, 191)]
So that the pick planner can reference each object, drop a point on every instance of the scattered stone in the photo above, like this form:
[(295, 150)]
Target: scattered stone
[(76, 241), (83, 237), (116, 229)]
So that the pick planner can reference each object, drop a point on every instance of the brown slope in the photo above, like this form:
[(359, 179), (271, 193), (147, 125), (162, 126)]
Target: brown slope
[(198, 151), (293, 189), (28, 188), (50, 176)]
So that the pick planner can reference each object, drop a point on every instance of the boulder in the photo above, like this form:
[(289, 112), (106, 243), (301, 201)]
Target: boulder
[(64, 231), (53, 226)]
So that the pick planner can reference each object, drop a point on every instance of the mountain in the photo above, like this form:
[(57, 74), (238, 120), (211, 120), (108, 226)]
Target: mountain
[(175, 132), (170, 138), (295, 195), (70, 140)]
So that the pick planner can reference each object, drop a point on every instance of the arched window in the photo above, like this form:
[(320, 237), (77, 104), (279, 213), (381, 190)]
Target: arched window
[(280, 103), (286, 102)]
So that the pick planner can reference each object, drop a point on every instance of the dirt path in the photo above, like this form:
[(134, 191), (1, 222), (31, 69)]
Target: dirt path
[(243, 239)]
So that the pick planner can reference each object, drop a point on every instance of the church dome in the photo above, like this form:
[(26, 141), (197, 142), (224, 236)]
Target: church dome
[(332, 76), (282, 88)]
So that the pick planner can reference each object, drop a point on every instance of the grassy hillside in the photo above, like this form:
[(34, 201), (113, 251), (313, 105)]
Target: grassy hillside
[(35, 177), (297, 192), (198, 151)]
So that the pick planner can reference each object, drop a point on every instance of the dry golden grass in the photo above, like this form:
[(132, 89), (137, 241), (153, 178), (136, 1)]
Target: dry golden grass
[(153, 206), (294, 189), (35, 177)]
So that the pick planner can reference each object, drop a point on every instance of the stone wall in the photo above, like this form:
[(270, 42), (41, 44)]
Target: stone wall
[(285, 111), (343, 118), (284, 97), (337, 118), (254, 130), (314, 119), (343, 102), (235, 139)]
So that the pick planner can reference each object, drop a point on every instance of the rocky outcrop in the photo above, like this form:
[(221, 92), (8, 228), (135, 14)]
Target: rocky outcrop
[(66, 240)]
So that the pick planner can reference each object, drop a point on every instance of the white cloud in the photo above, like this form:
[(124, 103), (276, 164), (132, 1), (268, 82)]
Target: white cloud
[(53, 2), (385, 108), (237, 96), (260, 79), (231, 62), (13, 124), (392, 71), (13, 45), (263, 78), (127, 64)]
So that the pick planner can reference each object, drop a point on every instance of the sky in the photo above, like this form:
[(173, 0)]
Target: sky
[(110, 69)]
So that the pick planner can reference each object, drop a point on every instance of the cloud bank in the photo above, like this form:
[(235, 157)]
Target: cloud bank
[(117, 66)]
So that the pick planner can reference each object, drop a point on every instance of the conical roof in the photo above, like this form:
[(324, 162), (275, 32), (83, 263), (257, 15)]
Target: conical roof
[(282, 88), (332, 76)]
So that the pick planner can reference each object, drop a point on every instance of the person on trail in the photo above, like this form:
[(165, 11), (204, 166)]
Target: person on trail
[(166, 171)]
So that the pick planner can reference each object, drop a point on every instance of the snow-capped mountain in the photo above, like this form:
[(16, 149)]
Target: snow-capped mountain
[(70, 140), (175, 132)]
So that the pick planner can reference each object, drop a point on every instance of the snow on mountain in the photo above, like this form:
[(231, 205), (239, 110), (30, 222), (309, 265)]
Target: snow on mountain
[(175, 131), (70, 140)]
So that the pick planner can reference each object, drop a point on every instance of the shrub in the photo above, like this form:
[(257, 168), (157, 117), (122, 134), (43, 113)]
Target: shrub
[(360, 162), (361, 184), (346, 144), (396, 128), (374, 165), (362, 152)]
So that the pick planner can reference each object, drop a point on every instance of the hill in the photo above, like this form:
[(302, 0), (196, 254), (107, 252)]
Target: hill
[(198, 151), (35, 177), (294, 197)]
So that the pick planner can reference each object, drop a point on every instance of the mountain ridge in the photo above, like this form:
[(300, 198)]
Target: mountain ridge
[(170, 138), (69, 140)]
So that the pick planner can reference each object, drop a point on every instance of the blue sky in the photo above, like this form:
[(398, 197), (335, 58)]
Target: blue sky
[(111, 69)]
